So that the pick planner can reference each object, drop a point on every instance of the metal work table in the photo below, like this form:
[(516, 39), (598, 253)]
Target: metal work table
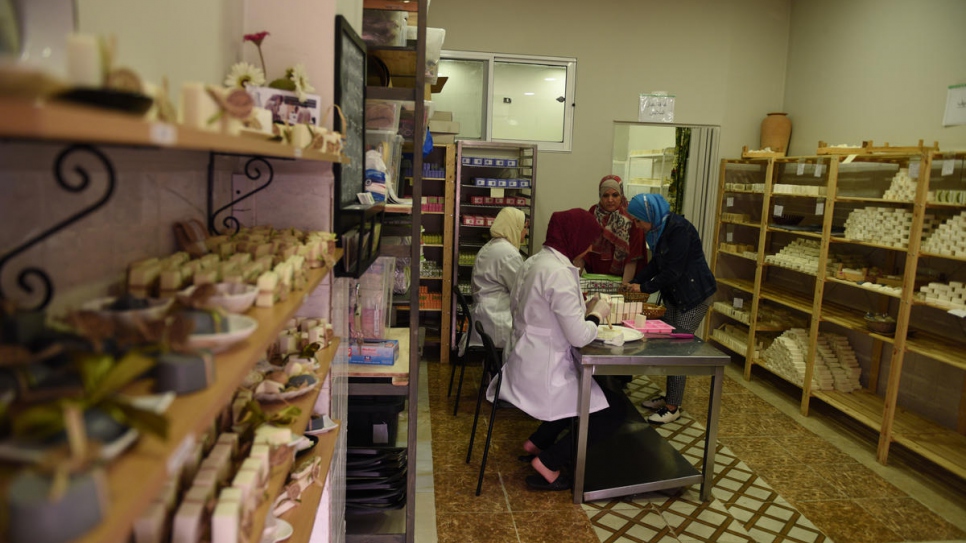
[(636, 458)]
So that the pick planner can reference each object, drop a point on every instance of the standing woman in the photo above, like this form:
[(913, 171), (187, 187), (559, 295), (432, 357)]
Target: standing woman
[(619, 250), (550, 318), (680, 272), (494, 274)]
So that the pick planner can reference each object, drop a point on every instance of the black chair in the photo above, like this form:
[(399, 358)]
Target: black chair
[(464, 323), (493, 365)]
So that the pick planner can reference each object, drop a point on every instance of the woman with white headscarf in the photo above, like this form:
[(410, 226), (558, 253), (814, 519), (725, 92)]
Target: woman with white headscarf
[(494, 273)]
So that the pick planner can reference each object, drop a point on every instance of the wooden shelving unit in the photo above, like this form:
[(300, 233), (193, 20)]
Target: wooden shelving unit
[(53, 121), (136, 477), (853, 179)]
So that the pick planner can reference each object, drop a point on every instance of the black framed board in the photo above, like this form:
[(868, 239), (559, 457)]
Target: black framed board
[(350, 95)]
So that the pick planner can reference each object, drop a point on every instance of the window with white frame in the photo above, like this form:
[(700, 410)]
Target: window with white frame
[(514, 98)]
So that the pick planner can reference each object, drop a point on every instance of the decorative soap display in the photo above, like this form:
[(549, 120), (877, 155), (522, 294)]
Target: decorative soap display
[(948, 239), (880, 225), (836, 366), (902, 188)]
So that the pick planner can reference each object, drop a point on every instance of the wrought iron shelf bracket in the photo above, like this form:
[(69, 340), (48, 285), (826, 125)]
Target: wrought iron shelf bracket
[(255, 169), (76, 179)]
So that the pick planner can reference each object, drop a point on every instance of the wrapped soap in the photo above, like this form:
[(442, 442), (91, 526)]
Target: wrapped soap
[(34, 518), (231, 440)]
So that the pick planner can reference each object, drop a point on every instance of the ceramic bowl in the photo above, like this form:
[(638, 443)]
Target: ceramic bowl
[(127, 318), (239, 328), (231, 297)]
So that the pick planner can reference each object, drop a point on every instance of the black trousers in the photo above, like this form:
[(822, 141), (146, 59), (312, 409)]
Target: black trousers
[(558, 450)]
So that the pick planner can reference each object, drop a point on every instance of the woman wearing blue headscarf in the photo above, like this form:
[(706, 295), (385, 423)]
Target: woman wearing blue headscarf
[(680, 272)]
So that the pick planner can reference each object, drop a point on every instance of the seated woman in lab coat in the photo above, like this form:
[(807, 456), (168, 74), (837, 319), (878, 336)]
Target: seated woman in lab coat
[(494, 274), (549, 319)]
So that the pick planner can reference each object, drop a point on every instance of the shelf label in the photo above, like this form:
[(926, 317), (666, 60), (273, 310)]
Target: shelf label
[(738, 303), (163, 134), (948, 165), (180, 454), (801, 168), (820, 208), (779, 210), (730, 237), (914, 170), (819, 168), (730, 201)]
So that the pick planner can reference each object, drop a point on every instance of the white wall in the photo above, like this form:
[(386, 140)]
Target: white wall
[(874, 70), (724, 60)]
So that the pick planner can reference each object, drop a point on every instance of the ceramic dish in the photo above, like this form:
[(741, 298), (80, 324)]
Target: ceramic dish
[(288, 395), (239, 328), (127, 317), (115, 100), (276, 530), (320, 425), (232, 297), (630, 334)]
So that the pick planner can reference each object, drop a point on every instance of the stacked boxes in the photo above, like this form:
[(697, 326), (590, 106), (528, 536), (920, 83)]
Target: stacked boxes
[(500, 183)]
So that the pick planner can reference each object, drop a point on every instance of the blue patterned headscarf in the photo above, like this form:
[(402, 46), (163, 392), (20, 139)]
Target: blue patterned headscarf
[(651, 208)]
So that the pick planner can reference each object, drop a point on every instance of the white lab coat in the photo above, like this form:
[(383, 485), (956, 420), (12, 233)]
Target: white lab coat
[(539, 375), (494, 274)]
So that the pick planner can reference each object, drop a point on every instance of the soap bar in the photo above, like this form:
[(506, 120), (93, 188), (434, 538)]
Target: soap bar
[(35, 519), (184, 373), (149, 527), (224, 522), (187, 525)]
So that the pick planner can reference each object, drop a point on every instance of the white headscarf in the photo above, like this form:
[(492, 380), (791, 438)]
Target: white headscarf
[(509, 224)]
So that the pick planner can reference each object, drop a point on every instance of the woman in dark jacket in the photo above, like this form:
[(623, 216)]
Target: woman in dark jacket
[(680, 272)]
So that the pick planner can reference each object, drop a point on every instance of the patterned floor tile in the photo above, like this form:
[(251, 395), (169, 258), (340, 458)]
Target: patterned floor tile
[(691, 519), (910, 519)]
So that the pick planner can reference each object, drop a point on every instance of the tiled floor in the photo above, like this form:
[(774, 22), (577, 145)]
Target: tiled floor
[(776, 480)]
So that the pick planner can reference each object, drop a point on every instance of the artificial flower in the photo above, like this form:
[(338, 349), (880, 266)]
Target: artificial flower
[(257, 39), (301, 80), (244, 74)]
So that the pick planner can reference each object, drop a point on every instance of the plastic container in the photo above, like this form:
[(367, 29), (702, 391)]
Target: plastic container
[(383, 115), (384, 28)]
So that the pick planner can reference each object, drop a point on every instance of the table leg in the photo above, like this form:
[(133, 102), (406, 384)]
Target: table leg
[(711, 433), (583, 414)]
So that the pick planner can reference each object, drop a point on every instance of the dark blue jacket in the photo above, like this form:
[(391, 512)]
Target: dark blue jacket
[(677, 267)]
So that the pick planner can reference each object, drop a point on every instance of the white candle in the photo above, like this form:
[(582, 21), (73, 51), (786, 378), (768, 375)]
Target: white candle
[(84, 61), (264, 117), (197, 107), (301, 137)]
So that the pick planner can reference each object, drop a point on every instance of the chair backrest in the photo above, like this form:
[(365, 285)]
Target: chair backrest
[(464, 319), (493, 361)]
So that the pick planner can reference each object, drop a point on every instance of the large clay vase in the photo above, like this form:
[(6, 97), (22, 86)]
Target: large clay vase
[(776, 130)]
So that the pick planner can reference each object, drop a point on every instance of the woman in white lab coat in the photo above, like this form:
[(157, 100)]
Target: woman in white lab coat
[(549, 319), (494, 274)]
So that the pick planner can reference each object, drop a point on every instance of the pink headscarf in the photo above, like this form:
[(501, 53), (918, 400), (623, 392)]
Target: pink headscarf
[(571, 232)]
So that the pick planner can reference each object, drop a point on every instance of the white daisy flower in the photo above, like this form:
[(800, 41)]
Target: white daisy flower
[(301, 80), (243, 75)]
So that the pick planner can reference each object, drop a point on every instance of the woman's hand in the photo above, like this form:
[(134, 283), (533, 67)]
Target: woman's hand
[(631, 287)]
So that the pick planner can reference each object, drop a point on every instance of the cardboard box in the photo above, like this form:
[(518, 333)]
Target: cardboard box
[(502, 183), (442, 116), (444, 127), (480, 220), (479, 181), (512, 183), (488, 161), (524, 183), (444, 139), (476, 200), (476, 161), (491, 182), (380, 352), (489, 221), (499, 162), (469, 220), (511, 163)]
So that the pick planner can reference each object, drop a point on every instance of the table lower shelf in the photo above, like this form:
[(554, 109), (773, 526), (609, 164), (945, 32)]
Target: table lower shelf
[(635, 459)]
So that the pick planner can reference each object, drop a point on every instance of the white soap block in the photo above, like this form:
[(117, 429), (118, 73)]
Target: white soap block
[(186, 527), (224, 522), (149, 527)]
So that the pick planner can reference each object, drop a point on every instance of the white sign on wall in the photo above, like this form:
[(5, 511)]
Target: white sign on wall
[(955, 105)]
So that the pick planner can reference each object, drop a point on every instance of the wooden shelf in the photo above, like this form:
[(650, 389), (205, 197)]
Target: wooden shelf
[(947, 257), (52, 121), (861, 286), (848, 318), (136, 477), (938, 348), (399, 208), (862, 406), (786, 298), (324, 448), (737, 255), (736, 191), (302, 518), (743, 223), (837, 239), (739, 284), (800, 233), (864, 200), (938, 444)]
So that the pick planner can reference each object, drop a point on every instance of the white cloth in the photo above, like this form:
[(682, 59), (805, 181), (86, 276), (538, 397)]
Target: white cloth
[(540, 376), (494, 274)]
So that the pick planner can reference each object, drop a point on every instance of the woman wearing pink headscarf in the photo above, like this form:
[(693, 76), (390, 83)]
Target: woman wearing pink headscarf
[(549, 319), (619, 250)]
